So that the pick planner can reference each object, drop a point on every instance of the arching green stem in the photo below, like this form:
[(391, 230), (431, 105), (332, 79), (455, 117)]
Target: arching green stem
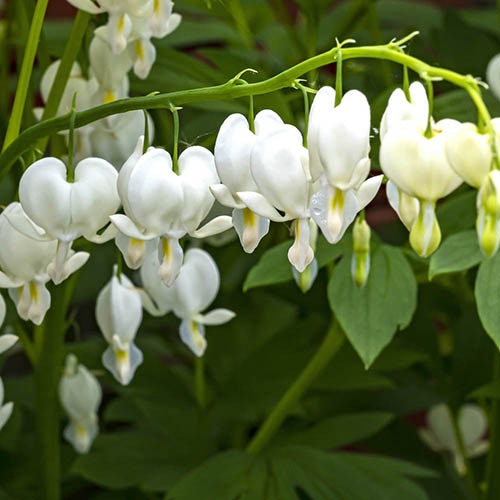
[(326, 351), (232, 90), (16, 116)]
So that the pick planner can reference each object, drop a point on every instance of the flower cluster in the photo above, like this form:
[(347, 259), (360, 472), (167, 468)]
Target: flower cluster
[(426, 160)]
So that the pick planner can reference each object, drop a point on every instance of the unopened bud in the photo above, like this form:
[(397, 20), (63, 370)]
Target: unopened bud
[(360, 263), (488, 214)]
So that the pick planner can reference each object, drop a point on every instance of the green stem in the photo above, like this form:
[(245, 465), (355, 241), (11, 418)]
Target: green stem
[(240, 19), (24, 339), (327, 350), (200, 384), (25, 75), (232, 90), (50, 347), (175, 153), (492, 479)]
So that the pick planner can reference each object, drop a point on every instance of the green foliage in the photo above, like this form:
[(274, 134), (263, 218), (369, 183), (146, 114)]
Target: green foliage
[(457, 253), (487, 292), (283, 471), (370, 316)]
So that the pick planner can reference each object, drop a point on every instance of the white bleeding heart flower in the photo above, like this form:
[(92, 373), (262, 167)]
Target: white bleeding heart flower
[(233, 149), (339, 142), (194, 290), (418, 166), (25, 263), (279, 167), (119, 315), (440, 435), (68, 210), (400, 110), (406, 206), (470, 152), (80, 395), (159, 203)]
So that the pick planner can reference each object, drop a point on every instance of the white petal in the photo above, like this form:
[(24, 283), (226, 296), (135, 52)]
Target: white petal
[(119, 309), (129, 228), (45, 196), (171, 256), (250, 227), (343, 140), (493, 75), (215, 226), (197, 284), (334, 210), (301, 253), (215, 317), (278, 169), (323, 101), (472, 424), (123, 364), (368, 190), (7, 341), (87, 5), (258, 204), (439, 421), (157, 298), (145, 55), (232, 151), (224, 196), (32, 301), (193, 335), (5, 413), (108, 234)]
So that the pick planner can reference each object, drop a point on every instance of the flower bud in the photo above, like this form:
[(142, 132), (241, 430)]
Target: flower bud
[(360, 263), (488, 214)]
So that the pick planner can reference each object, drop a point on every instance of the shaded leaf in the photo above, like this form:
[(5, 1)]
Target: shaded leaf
[(457, 253), (371, 315)]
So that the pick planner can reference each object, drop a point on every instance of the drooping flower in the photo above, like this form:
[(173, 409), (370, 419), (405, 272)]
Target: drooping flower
[(279, 167), (470, 153), (80, 395), (159, 203), (440, 435), (233, 149), (418, 166), (339, 142), (119, 315), (26, 263), (194, 290), (68, 210)]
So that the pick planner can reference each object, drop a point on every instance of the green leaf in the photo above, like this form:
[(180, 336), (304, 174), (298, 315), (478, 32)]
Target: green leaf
[(273, 267), (133, 458), (490, 390), (279, 473), (487, 292), (457, 253), (371, 315), (340, 430), (457, 213)]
